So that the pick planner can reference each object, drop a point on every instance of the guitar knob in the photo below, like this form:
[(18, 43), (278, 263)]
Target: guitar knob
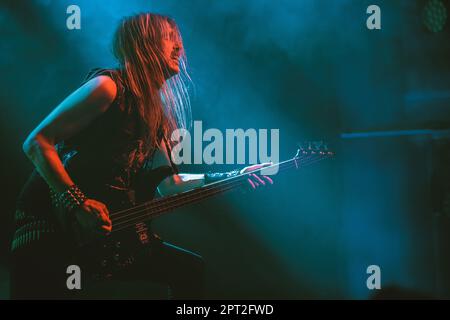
[(116, 257), (118, 244), (104, 263)]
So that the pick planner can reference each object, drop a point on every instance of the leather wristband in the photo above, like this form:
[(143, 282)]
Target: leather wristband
[(70, 199)]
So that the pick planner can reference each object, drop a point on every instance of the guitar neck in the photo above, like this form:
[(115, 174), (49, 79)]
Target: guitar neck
[(158, 207)]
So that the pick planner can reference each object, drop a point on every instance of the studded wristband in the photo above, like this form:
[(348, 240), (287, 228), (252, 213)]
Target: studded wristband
[(72, 198)]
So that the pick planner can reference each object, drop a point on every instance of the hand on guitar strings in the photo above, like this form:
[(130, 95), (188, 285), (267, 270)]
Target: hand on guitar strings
[(257, 180), (93, 218)]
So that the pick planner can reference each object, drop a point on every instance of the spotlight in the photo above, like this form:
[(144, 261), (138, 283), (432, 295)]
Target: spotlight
[(435, 15)]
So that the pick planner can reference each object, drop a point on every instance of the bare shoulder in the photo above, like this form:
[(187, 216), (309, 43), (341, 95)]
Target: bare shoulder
[(101, 88)]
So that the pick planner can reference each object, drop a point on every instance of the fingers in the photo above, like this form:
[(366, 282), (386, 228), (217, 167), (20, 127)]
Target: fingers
[(93, 218), (255, 181), (252, 184), (101, 207), (105, 209), (104, 219), (258, 179), (106, 228), (104, 224), (268, 179), (102, 214)]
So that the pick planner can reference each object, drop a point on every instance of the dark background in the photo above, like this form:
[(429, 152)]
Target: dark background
[(310, 68)]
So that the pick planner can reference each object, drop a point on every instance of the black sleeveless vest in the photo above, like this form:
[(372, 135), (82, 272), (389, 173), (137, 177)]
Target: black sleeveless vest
[(108, 151)]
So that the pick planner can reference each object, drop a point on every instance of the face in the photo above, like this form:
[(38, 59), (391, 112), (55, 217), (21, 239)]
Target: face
[(171, 48)]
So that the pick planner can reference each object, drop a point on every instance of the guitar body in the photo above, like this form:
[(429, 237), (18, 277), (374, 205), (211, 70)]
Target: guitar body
[(109, 254), (102, 256)]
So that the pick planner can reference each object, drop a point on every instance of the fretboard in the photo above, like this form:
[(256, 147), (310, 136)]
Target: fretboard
[(157, 207)]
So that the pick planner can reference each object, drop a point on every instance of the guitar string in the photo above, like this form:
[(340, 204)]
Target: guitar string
[(191, 199), (222, 185), (162, 201), (206, 187), (126, 224)]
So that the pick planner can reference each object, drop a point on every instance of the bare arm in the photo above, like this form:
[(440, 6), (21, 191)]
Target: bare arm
[(186, 181), (69, 117), (178, 182)]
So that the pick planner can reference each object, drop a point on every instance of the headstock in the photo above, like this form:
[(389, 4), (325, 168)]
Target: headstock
[(313, 148)]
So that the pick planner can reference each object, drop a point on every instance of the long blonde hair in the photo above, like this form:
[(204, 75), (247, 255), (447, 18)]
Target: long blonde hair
[(161, 103)]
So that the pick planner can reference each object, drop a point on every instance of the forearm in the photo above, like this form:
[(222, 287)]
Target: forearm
[(45, 158), (181, 182), (186, 181)]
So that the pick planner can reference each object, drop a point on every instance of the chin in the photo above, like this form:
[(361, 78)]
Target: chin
[(175, 70), (171, 71)]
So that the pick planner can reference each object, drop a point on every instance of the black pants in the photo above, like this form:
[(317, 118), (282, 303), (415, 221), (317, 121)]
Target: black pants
[(37, 273)]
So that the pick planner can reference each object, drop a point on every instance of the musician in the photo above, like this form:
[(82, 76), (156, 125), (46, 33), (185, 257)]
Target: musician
[(113, 131)]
